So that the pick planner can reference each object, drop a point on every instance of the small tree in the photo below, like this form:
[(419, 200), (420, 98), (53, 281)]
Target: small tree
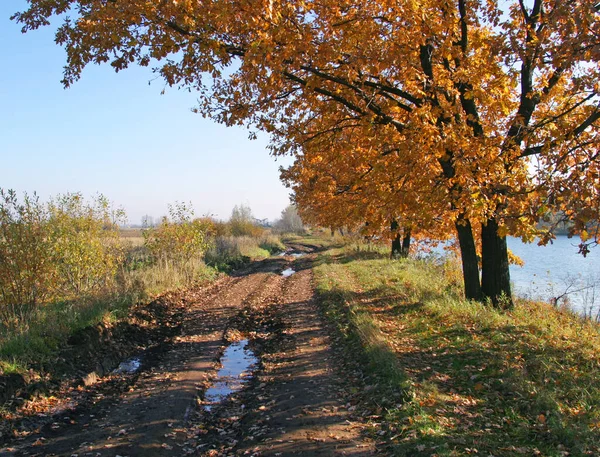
[(242, 222), (86, 248), (26, 271), (178, 239)]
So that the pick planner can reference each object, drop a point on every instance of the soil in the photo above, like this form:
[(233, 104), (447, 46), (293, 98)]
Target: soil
[(297, 402)]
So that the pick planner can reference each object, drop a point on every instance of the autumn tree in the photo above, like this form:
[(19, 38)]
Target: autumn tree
[(496, 102), (342, 179)]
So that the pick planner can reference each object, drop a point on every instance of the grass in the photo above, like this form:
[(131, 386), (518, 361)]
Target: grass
[(472, 380), (39, 341), (34, 344)]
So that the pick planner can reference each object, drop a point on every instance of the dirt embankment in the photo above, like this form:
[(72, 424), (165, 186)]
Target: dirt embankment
[(29, 402), (297, 402)]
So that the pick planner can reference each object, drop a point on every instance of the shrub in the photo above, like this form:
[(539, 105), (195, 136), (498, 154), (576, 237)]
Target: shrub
[(178, 240), (26, 270), (271, 243), (86, 245), (56, 251), (224, 254)]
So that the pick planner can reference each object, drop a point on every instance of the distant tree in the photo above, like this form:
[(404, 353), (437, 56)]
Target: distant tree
[(290, 220), (241, 213), (147, 221), (242, 221)]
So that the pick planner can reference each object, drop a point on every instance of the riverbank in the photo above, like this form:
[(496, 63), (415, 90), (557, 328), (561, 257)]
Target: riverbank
[(452, 378)]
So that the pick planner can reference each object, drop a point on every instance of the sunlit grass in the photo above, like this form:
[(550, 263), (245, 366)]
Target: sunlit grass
[(36, 341), (475, 380)]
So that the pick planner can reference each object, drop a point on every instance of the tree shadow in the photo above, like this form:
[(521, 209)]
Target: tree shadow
[(498, 389)]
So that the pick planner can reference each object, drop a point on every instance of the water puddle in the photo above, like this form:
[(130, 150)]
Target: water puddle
[(129, 366), (290, 253), (287, 272), (237, 364)]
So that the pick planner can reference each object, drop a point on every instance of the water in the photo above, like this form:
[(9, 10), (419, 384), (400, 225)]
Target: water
[(290, 253), (552, 270), (237, 364), (128, 367), (287, 272)]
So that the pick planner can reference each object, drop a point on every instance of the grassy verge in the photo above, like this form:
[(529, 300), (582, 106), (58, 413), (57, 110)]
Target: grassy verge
[(318, 240), (30, 348), (471, 380), (34, 345)]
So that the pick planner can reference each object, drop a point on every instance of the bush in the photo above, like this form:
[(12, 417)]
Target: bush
[(271, 243), (225, 254), (178, 241), (87, 249), (26, 270), (56, 251)]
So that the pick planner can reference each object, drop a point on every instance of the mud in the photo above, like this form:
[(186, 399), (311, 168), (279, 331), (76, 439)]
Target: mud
[(293, 401)]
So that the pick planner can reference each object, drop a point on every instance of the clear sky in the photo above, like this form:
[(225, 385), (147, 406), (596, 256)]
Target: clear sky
[(117, 135)]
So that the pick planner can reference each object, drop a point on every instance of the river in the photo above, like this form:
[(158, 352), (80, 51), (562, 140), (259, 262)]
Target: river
[(553, 270)]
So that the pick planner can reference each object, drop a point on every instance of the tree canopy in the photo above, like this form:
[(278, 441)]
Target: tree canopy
[(473, 114)]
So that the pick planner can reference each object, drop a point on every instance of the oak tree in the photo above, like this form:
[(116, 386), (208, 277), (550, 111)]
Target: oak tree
[(496, 101)]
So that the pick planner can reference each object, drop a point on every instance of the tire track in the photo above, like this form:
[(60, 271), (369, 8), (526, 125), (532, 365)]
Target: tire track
[(149, 419)]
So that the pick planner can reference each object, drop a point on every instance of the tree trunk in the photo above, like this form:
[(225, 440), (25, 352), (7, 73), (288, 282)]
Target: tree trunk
[(396, 240), (405, 244), (468, 254), (495, 274)]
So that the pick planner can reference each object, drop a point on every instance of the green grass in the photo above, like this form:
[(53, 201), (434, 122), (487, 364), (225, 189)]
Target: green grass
[(38, 342), (474, 380)]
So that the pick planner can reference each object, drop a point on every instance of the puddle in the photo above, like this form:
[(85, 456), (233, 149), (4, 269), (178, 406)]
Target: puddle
[(129, 366), (290, 253), (288, 272), (237, 364)]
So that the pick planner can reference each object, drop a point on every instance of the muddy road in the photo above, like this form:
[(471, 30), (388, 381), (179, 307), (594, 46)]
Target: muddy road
[(289, 393)]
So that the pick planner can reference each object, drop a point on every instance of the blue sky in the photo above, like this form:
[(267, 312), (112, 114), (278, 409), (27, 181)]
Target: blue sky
[(117, 135)]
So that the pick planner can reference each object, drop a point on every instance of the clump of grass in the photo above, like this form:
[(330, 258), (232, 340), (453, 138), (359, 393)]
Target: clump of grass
[(480, 381), (51, 325), (230, 252), (156, 278), (271, 243)]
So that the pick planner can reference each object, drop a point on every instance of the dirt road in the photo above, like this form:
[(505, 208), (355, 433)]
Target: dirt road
[(294, 403)]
